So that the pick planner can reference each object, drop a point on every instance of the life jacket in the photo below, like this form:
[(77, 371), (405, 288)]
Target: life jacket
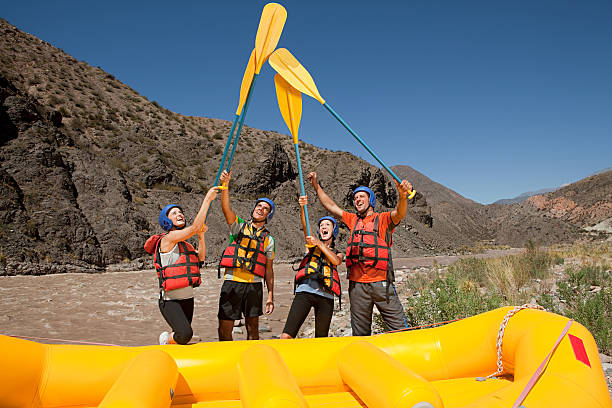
[(247, 251), (184, 272), (317, 265), (367, 247)]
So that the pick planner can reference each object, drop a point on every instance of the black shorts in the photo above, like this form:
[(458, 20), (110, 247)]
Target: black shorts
[(240, 298)]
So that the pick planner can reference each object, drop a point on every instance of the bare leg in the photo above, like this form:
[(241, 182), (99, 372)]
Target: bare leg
[(252, 326), (225, 330)]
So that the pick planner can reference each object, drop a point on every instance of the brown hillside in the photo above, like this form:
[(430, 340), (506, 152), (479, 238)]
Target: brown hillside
[(584, 203), (87, 163)]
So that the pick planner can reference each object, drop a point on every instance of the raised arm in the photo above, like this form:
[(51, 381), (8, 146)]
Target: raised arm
[(403, 189), (202, 244), (169, 240), (329, 253), (326, 200), (228, 213)]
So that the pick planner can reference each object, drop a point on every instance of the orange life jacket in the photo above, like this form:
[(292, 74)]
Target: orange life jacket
[(184, 272), (246, 251), (316, 264), (367, 247)]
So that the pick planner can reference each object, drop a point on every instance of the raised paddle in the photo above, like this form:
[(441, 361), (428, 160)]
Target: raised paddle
[(271, 25), (290, 104), (247, 79), (298, 77)]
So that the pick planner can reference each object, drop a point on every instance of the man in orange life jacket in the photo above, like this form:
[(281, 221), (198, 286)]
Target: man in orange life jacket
[(247, 261), (368, 256)]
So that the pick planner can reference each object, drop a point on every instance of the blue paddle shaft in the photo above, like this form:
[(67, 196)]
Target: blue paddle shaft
[(227, 145), (242, 116), (329, 108), (303, 191)]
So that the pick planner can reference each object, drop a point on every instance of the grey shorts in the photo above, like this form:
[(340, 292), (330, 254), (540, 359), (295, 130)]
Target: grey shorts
[(363, 297)]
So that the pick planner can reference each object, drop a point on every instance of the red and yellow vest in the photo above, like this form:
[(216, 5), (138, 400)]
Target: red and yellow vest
[(315, 263), (184, 272), (367, 247), (247, 251)]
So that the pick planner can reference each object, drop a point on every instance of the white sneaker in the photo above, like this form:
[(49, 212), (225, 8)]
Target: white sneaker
[(164, 337)]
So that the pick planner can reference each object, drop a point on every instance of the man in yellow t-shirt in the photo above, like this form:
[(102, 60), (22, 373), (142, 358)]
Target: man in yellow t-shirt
[(248, 261)]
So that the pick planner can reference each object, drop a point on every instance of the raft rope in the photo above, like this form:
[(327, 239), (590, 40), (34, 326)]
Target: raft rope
[(425, 325), (62, 340), (502, 329)]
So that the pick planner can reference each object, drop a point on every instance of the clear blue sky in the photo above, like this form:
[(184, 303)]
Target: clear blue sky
[(489, 98)]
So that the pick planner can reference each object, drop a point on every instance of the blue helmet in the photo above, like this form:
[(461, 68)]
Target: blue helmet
[(333, 221), (270, 203), (164, 221), (369, 192)]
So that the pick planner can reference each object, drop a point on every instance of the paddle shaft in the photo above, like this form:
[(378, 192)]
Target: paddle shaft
[(227, 145), (241, 122), (303, 191), (352, 132)]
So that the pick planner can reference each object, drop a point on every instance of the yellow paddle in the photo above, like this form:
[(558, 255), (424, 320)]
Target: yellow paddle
[(298, 77), (271, 25), (290, 104)]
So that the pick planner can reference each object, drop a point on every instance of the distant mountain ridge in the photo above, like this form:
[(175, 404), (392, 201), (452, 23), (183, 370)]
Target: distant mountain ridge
[(522, 197)]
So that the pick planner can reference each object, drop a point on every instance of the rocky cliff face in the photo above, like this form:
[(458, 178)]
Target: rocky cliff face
[(87, 163)]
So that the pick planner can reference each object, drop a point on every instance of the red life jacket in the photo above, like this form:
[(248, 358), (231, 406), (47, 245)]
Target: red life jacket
[(184, 272), (367, 247), (246, 251), (316, 264)]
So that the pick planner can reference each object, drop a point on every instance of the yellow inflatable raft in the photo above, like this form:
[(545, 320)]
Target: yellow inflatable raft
[(439, 367)]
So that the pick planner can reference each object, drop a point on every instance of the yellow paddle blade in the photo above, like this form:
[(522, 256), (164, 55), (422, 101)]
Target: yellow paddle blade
[(293, 72), (247, 79), (290, 104), (269, 31)]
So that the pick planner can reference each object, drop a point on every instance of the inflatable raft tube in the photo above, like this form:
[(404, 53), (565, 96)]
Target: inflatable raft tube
[(440, 367)]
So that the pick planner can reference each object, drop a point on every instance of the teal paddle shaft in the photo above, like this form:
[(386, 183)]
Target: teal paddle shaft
[(227, 145), (303, 191), (242, 116), (352, 132)]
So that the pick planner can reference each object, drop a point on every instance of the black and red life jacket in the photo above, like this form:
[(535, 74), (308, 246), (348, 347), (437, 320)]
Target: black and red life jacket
[(315, 264), (247, 250), (367, 247), (184, 272)]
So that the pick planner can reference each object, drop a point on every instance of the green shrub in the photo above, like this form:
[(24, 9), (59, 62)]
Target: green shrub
[(586, 296), (448, 298), (471, 269)]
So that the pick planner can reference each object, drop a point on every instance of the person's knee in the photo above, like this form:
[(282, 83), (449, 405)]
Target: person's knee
[(183, 336)]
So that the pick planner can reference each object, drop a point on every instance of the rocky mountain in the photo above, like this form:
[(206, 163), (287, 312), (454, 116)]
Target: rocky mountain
[(86, 164), (585, 203)]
